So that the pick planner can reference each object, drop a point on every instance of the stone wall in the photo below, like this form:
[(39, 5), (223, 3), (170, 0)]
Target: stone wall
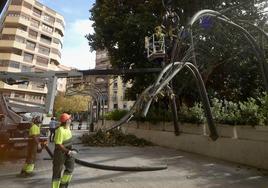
[(241, 144)]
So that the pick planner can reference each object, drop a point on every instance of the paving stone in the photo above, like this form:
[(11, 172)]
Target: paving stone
[(185, 170)]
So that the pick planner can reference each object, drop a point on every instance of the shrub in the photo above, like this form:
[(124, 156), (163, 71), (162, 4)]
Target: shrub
[(194, 114), (115, 115), (264, 108), (230, 113), (250, 113)]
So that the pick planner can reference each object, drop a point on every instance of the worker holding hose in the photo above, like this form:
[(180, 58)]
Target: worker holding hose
[(63, 154)]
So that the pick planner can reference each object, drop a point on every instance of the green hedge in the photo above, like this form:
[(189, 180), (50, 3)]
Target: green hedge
[(115, 115), (251, 112)]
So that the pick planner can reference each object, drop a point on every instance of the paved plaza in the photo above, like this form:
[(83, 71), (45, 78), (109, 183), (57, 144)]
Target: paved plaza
[(185, 170)]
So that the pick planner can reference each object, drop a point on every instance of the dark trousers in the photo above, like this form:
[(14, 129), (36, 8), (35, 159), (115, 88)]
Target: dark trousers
[(52, 134), (31, 152), (60, 159)]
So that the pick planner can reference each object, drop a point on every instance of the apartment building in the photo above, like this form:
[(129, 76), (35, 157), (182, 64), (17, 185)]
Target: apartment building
[(31, 37), (115, 88)]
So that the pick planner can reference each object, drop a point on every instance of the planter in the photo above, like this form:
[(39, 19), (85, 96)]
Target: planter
[(192, 129), (226, 131), (257, 133), (169, 126)]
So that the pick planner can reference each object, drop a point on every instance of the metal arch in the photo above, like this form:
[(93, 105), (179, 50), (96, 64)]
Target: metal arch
[(98, 96), (101, 99), (149, 93), (259, 53), (202, 92)]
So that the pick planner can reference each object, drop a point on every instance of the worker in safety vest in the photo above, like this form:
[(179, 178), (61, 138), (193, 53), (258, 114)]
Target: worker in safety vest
[(33, 147), (159, 39), (63, 154)]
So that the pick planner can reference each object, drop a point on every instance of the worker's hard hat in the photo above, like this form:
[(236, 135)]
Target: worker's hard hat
[(64, 117)]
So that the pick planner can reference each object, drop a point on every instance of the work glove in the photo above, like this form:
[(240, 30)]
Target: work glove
[(72, 153)]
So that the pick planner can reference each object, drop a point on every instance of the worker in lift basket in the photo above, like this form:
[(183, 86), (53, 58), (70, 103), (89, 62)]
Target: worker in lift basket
[(63, 154), (33, 147)]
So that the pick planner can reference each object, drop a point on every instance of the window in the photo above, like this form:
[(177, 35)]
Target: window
[(13, 14), (22, 28), (58, 32), (47, 28), (19, 39), (25, 16), (49, 19), (30, 45), (27, 5), (3, 63), (8, 37), (16, 2), (114, 97), (28, 57), (7, 63), (14, 64), (43, 50), (60, 22), (33, 34), (37, 12), (55, 51), (26, 69), (57, 41), (115, 85), (115, 106), (45, 39), (35, 23), (42, 61)]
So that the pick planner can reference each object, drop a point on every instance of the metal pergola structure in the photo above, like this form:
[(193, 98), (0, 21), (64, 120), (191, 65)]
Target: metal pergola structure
[(90, 89)]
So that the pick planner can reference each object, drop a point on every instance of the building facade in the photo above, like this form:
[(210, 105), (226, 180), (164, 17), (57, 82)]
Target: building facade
[(115, 88), (31, 37), (102, 81)]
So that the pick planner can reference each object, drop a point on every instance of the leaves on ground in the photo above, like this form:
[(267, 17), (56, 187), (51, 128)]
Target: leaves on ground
[(113, 138)]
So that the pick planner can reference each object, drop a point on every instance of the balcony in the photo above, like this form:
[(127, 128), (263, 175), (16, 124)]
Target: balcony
[(55, 56), (10, 19), (57, 35), (59, 27), (12, 44), (12, 57), (18, 9), (15, 31)]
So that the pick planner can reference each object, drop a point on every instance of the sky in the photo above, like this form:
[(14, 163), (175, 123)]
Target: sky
[(76, 51)]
